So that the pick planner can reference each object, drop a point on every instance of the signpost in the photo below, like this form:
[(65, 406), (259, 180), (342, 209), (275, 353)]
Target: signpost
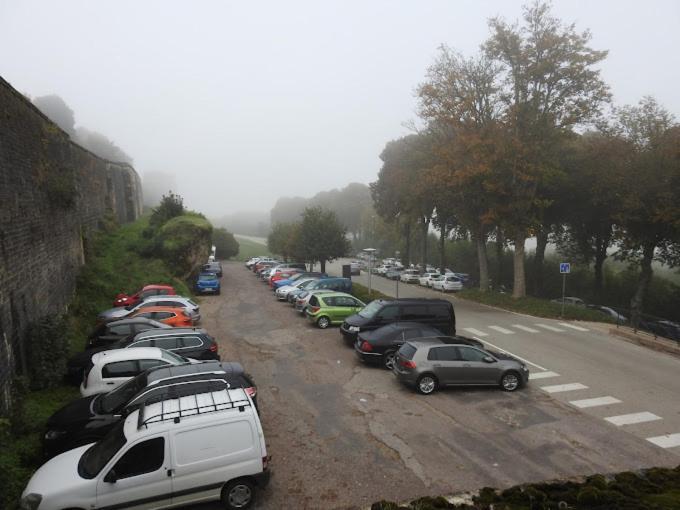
[(370, 252), (396, 256), (565, 269)]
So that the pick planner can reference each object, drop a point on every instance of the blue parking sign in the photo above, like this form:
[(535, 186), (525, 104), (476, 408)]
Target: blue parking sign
[(565, 268)]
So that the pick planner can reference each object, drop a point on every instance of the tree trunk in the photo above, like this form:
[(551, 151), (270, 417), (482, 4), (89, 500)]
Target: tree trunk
[(500, 245), (323, 265), (539, 258), (442, 249), (426, 228), (601, 245), (483, 259), (519, 288), (643, 284)]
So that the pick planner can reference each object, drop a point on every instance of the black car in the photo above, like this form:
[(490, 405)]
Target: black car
[(212, 267), (437, 313), (380, 345), (189, 342), (109, 332), (86, 420)]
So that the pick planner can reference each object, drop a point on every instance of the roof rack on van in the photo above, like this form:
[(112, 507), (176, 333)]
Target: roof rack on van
[(208, 405)]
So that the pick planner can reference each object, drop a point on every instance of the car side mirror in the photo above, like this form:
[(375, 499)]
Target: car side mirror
[(489, 359), (111, 477)]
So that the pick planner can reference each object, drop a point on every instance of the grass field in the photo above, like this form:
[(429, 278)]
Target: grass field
[(249, 248)]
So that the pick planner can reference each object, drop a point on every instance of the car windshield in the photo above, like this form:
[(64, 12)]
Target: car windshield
[(295, 277), (172, 358), (111, 402), (305, 284), (369, 311), (99, 454)]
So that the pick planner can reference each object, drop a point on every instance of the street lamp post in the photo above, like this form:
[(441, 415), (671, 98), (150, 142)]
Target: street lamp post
[(370, 252)]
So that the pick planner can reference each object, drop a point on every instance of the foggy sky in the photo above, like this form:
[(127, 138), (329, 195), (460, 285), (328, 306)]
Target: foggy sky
[(247, 101)]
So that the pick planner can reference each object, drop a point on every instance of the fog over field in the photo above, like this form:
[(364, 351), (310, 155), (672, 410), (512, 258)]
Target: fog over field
[(239, 103)]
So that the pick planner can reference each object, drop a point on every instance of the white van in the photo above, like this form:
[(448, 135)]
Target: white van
[(178, 452)]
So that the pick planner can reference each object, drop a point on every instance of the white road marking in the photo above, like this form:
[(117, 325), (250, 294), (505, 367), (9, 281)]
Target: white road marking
[(502, 330), (559, 388), (594, 402), (550, 328), (524, 328), (630, 419), (577, 328), (511, 354), (542, 375), (666, 441), (476, 332)]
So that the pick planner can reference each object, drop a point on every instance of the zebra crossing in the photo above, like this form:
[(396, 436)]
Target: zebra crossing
[(504, 330)]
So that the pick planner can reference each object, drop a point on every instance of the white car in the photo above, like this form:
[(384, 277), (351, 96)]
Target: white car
[(410, 276), (109, 369), (447, 283), (282, 292), (177, 452), (175, 301), (426, 278)]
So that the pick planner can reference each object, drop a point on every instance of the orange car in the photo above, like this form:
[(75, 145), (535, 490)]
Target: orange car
[(177, 317)]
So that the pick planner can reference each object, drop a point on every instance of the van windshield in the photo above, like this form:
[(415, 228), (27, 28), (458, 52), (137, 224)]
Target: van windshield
[(99, 454), (369, 311)]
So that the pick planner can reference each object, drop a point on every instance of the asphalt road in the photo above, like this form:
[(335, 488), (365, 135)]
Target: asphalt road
[(344, 435), (636, 388)]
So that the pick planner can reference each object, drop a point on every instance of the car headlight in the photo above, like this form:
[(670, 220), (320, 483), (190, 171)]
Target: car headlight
[(354, 329), (31, 501), (51, 435)]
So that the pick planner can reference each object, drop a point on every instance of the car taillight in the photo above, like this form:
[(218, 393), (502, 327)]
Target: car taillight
[(251, 391), (407, 363), (314, 309), (213, 348), (365, 346)]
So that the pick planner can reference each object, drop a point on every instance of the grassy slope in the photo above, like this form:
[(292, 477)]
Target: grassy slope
[(249, 248), (113, 266)]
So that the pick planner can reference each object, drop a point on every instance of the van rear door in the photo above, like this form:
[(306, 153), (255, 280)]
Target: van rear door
[(205, 457)]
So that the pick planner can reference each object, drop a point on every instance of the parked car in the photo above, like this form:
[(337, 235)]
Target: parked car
[(302, 300), (425, 278), (664, 328), (258, 266), (173, 301), (108, 332), (306, 275), (176, 317), (189, 342), (333, 308), (202, 447), (610, 312), (571, 301), (382, 270), (88, 419), (438, 313), (208, 283), (410, 276), (284, 274), (213, 267), (447, 283), (380, 346), (300, 284), (430, 364), (146, 291), (109, 369), (394, 273)]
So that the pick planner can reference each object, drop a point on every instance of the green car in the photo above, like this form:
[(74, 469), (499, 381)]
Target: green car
[(333, 308)]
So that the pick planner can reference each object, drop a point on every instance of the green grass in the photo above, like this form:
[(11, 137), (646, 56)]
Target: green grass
[(249, 248), (361, 292), (113, 264), (533, 306)]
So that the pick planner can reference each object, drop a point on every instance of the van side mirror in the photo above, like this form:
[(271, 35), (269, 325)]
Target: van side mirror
[(111, 477), (489, 359)]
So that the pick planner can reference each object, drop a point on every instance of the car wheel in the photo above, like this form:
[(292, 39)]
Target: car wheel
[(510, 381), (426, 384), (323, 322), (388, 359), (238, 494)]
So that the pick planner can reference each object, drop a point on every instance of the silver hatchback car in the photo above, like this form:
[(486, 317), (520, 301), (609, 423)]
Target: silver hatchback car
[(430, 364)]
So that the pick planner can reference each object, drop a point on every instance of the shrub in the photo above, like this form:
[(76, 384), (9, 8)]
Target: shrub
[(226, 246), (171, 206)]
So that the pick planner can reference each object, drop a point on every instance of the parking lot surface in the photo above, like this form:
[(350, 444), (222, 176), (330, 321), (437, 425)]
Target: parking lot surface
[(344, 435)]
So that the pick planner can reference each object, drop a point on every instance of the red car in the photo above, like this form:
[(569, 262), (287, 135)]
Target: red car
[(283, 274), (147, 291)]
